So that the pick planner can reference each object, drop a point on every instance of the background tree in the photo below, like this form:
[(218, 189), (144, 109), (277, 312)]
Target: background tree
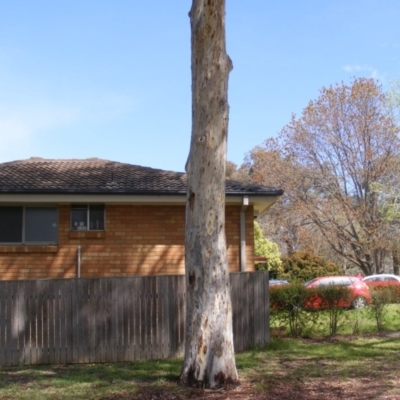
[(285, 224), (234, 173), (231, 169), (209, 353), (304, 266), (327, 160), (389, 209), (390, 191), (394, 99), (270, 250)]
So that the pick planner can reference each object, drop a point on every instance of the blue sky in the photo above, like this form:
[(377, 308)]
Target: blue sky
[(111, 79)]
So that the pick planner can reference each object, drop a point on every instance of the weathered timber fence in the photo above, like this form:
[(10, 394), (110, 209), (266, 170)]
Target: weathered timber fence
[(64, 321)]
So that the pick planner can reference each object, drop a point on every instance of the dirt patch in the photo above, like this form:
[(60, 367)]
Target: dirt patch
[(285, 389), (241, 392), (392, 334), (373, 379)]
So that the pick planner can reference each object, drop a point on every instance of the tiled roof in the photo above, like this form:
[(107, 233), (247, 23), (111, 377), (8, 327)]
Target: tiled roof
[(93, 175)]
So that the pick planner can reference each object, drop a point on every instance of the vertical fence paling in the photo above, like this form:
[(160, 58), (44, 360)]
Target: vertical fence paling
[(115, 319)]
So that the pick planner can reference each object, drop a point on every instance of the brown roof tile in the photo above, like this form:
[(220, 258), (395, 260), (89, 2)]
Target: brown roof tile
[(93, 175)]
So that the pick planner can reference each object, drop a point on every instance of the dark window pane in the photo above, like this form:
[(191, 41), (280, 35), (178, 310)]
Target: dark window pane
[(10, 224), (96, 218), (41, 224), (79, 218)]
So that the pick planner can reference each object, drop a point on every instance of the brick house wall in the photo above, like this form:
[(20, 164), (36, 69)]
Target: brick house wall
[(138, 240)]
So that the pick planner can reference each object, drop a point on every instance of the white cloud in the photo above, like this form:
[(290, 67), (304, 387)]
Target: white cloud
[(352, 68), (373, 73)]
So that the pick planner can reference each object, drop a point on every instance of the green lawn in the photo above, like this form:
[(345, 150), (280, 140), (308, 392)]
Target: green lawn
[(316, 324)]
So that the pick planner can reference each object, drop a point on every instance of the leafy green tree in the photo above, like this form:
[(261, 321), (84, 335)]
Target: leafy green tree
[(303, 266), (270, 250)]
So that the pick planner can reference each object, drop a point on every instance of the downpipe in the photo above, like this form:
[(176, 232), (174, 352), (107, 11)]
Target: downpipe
[(78, 267)]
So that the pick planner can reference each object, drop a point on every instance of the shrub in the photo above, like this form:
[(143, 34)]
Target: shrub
[(287, 297), (329, 297), (332, 298), (288, 306), (291, 305), (393, 287), (304, 266), (270, 250), (381, 298)]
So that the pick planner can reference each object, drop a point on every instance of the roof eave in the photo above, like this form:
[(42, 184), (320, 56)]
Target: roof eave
[(259, 201)]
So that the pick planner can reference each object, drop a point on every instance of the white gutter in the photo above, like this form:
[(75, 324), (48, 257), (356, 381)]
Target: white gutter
[(245, 203)]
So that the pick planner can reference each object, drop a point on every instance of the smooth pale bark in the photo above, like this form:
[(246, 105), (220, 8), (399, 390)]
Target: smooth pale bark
[(209, 352)]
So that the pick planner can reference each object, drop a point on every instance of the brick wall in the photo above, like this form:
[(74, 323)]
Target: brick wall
[(138, 240)]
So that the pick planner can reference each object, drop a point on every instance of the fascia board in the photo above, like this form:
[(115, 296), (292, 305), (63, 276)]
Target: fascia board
[(260, 203)]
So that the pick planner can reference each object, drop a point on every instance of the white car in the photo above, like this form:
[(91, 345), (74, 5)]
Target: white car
[(382, 278)]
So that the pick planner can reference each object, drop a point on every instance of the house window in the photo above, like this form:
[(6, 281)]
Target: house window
[(86, 217), (28, 225)]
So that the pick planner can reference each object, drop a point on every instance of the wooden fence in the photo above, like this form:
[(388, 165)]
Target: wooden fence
[(64, 321)]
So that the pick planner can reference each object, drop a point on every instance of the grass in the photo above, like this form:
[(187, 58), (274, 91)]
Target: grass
[(288, 360), (343, 362), (84, 381), (316, 324), (373, 359)]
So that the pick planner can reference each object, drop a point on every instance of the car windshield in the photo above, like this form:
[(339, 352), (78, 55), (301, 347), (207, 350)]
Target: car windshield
[(310, 282)]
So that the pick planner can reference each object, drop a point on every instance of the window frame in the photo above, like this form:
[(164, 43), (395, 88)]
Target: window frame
[(86, 207), (23, 227)]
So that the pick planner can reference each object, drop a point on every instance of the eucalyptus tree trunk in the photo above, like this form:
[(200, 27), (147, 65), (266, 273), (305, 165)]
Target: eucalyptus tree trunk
[(209, 352)]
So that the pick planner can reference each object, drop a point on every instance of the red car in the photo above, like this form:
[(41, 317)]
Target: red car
[(359, 297)]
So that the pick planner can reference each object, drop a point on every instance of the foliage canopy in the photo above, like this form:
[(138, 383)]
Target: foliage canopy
[(302, 267), (328, 161), (270, 250)]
